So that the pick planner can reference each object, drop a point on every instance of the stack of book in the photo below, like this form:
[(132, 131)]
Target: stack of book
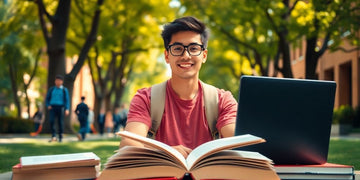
[(60, 167), (323, 171)]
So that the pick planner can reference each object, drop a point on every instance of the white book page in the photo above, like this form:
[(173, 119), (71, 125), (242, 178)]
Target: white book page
[(157, 145), (217, 145), (58, 158)]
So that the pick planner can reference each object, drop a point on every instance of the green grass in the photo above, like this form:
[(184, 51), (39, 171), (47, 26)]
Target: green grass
[(10, 153), (340, 151), (345, 152)]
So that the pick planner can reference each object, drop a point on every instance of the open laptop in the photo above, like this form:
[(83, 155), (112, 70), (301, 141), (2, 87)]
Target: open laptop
[(294, 117)]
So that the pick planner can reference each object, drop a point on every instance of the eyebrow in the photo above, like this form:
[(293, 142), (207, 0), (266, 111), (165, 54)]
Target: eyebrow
[(178, 43)]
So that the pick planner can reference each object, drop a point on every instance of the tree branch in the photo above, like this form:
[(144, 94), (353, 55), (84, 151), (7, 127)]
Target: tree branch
[(324, 46), (42, 11), (292, 7), (91, 39)]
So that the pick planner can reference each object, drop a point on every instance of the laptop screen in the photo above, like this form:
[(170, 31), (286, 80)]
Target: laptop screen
[(294, 116)]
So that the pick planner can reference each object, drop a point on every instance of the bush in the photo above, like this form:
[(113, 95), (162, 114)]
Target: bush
[(357, 117), (15, 125), (345, 114)]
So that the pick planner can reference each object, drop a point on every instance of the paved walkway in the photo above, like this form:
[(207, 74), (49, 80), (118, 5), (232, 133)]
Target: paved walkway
[(21, 138)]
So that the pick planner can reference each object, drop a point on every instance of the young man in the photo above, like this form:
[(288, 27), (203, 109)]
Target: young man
[(183, 125), (57, 101)]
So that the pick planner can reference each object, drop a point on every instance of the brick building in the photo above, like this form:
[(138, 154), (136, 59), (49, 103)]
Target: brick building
[(341, 67)]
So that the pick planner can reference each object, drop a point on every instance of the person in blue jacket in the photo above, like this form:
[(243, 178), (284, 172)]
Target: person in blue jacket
[(58, 103)]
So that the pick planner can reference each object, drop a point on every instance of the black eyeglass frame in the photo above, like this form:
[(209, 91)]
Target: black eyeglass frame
[(187, 49)]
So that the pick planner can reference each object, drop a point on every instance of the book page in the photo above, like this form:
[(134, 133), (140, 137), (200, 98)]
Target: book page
[(58, 158), (217, 145), (156, 145), (131, 156)]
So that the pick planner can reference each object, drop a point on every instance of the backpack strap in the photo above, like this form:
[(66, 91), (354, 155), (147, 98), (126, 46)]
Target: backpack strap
[(157, 106), (211, 101)]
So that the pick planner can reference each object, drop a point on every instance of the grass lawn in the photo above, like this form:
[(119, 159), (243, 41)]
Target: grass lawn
[(340, 151), (345, 152), (10, 153)]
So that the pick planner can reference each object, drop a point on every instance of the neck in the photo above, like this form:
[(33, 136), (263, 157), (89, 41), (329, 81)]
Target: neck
[(186, 89)]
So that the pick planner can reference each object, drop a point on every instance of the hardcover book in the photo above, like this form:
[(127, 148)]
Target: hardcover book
[(59, 167)]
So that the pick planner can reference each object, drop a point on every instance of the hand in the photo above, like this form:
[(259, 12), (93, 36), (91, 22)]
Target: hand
[(49, 107), (66, 112), (185, 151)]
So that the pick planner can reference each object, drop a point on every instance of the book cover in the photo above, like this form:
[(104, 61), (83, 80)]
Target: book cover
[(59, 160), (326, 168), (316, 176), (59, 166)]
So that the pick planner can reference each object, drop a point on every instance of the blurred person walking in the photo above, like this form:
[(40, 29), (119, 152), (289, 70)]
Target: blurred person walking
[(82, 111), (58, 103)]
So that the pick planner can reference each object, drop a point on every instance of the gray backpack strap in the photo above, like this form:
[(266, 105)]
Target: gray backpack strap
[(211, 101), (157, 106)]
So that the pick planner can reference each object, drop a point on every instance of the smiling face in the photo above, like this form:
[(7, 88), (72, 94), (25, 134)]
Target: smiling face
[(185, 66)]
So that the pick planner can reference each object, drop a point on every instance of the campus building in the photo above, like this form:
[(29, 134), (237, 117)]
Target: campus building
[(339, 66)]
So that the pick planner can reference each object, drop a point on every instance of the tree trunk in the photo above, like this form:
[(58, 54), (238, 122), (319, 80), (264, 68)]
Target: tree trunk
[(310, 59), (285, 51), (55, 41), (14, 88)]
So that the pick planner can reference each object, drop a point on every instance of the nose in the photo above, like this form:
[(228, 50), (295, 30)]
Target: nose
[(186, 53)]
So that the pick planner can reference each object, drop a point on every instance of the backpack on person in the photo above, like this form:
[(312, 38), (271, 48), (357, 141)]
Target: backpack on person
[(157, 106), (52, 89)]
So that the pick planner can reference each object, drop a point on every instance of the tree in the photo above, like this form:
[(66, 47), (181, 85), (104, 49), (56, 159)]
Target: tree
[(55, 38), (20, 51), (126, 32), (331, 24), (277, 25)]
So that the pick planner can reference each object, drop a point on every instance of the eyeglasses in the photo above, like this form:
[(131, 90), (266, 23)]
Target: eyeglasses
[(179, 49)]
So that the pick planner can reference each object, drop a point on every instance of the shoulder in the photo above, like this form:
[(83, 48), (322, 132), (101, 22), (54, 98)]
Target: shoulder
[(224, 93), (226, 98), (65, 89), (51, 88), (142, 96), (143, 92)]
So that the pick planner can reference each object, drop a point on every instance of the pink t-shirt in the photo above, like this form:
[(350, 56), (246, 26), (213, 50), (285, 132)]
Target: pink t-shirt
[(184, 121)]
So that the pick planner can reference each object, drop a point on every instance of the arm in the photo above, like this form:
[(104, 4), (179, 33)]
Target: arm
[(77, 110), (47, 99), (228, 130), (142, 130), (227, 114), (137, 128), (67, 102)]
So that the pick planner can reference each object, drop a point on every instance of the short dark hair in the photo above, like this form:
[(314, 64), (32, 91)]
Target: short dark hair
[(82, 97), (59, 77), (187, 23)]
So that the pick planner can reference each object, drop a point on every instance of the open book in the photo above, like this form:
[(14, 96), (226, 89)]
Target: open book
[(211, 160)]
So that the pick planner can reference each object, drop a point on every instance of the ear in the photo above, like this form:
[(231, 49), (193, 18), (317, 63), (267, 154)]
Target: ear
[(204, 55), (166, 54)]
